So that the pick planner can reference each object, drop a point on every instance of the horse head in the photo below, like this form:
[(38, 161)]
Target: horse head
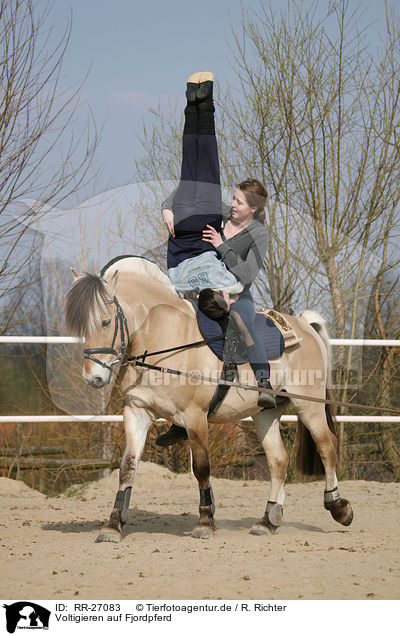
[(94, 313)]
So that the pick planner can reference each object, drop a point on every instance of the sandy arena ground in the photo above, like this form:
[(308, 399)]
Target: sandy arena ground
[(48, 548)]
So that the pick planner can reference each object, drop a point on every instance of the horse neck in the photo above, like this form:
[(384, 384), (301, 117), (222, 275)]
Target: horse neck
[(146, 303)]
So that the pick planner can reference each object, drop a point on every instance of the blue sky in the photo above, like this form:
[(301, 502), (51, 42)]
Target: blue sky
[(139, 52)]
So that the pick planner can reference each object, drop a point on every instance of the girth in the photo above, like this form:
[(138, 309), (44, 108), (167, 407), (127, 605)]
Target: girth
[(229, 373), (229, 370)]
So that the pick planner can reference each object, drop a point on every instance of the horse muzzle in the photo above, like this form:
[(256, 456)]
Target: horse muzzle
[(96, 381), (97, 375)]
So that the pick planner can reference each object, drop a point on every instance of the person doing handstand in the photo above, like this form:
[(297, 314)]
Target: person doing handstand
[(213, 249)]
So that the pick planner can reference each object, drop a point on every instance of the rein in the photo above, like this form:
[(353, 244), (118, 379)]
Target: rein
[(143, 356), (285, 394)]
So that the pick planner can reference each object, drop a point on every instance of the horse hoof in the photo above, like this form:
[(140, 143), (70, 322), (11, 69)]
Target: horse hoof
[(109, 535), (259, 529), (271, 520), (349, 518), (202, 532), (341, 511), (263, 527)]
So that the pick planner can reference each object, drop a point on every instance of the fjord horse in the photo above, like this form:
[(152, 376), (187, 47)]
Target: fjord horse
[(132, 308)]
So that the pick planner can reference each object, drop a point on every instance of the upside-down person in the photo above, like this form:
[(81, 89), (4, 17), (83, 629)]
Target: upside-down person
[(212, 249)]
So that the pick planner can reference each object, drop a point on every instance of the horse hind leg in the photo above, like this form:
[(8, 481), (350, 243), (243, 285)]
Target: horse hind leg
[(320, 438), (198, 440), (136, 422), (267, 428)]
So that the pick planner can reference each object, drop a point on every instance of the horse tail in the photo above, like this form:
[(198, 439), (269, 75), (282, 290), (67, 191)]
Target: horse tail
[(308, 459)]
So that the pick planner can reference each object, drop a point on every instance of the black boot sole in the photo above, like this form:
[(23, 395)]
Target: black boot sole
[(171, 437), (267, 405), (267, 400)]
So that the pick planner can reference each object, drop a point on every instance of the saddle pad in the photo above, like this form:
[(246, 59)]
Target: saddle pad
[(271, 336), (289, 335)]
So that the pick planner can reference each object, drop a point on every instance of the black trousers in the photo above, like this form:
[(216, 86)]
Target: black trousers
[(197, 202)]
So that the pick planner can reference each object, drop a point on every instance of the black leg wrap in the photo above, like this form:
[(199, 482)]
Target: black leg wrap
[(122, 503), (206, 121), (191, 120), (274, 513), (330, 497), (207, 498)]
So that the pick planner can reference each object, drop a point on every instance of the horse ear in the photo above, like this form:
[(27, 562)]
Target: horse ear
[(74, 274), (114, 282)]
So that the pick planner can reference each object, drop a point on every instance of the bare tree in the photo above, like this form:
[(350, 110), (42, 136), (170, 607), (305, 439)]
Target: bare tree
[(43, 156), (317, 116)]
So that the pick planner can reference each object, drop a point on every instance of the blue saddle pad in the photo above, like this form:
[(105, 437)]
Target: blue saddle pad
[(271, 336)]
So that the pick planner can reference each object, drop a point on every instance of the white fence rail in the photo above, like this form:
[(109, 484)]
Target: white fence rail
[(70, 339), (35, 419), (39, 339)]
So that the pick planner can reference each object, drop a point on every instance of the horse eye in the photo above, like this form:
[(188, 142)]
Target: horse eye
[(105, 323)]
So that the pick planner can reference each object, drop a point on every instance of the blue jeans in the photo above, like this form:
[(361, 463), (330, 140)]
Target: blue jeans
[(243, 313)]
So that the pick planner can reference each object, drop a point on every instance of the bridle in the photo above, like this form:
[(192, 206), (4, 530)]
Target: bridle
[(121, 327)]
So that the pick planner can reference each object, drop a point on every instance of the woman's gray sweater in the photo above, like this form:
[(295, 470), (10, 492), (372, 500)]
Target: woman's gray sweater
[(243, 254)]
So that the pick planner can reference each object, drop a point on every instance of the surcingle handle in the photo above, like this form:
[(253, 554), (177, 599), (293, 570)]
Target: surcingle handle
[(122, 502), (207, 498)]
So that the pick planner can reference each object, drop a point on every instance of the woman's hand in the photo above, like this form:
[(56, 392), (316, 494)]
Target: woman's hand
[(210, 235), (168, 217)]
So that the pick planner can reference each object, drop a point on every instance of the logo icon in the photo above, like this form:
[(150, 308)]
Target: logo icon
[(26, 615)]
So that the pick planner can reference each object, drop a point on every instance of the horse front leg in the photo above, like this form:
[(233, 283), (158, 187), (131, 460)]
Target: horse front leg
[(198, 440), (136, 424), (268, 433)]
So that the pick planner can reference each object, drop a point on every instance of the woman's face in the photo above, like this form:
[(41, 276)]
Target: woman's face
[(241, 211)]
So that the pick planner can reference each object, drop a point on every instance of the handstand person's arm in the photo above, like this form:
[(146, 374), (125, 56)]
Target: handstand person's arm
[(168, 217), (168, 202), (167, 213)]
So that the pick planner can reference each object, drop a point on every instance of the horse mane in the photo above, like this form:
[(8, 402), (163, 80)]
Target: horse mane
[(85, 307), (86, 300), (137, 264)]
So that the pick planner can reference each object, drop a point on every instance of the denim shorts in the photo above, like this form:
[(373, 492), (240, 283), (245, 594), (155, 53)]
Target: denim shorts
[(200, 272)]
